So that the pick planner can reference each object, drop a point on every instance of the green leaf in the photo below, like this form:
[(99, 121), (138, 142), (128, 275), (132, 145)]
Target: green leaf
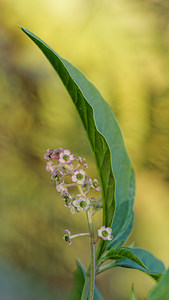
[(114, 166), (132, 294), (122, 223), (96, 117), (124, 215), (155, 266), (161, 290), (79, 277), (123, 253), (79, 282)]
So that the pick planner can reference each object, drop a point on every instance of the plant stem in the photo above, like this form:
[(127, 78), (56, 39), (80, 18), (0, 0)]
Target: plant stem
[(79, 234), (105, 267), (90, 274), (92, 257)]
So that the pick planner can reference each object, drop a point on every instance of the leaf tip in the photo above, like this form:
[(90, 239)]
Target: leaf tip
[(22, 28)]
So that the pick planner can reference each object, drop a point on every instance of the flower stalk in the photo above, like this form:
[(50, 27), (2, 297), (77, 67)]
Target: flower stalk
[(70, 172), (92, 257)]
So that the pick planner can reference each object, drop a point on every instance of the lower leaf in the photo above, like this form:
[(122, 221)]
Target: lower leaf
[(155, 266), (121, 253)]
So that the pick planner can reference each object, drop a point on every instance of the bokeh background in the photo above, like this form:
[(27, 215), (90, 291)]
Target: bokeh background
[(123, 48)]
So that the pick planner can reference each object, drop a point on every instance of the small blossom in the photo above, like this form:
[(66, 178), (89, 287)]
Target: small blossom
[(56, 153), (82, 204), (66, 157), (67, 237), (47, 155), (61, 188), (105, 233), (67, 198), (50, 167), (79, 176), (69, 202), (49, 150), (95, 184), (57, 176), (83, 161), (72, 210)]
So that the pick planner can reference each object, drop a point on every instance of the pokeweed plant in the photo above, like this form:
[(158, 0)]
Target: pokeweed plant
[(116, 177)]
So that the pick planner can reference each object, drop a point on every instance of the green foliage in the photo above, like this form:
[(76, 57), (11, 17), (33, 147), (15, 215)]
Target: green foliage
[(122, 253), (114, 167), (134, 81), (105, 138), (124, 217), (79, 277), (90, 105), (155, 266), (161, 290)]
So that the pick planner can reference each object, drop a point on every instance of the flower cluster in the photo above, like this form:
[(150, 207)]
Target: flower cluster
[(69, 173)]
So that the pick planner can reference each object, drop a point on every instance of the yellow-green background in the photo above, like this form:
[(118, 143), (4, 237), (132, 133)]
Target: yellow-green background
[(123, 48)]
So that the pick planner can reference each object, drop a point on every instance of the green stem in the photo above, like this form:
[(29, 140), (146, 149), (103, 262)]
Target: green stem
[(90, 274), (79, 234), (88, 288), (105, 267), (92, 257)]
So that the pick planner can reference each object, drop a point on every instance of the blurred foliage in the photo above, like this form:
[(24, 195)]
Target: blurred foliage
[(18, 285), (122, 46)]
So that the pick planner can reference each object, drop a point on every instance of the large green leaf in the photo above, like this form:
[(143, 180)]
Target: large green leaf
[(105, 137), (155, 266), (161, 290), (79, 277)]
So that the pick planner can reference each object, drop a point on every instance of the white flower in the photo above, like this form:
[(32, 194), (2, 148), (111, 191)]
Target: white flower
[(83, 161), (69, 202), (61, 188), (67, 198), (79, 176), (95, 184), (72, 210), (67, 237), (105, 233), (57, 176), (82, 204), (66, 157), (50, 167)]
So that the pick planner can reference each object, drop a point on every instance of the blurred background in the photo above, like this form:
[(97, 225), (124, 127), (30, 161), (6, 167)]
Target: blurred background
[(123, 48)]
